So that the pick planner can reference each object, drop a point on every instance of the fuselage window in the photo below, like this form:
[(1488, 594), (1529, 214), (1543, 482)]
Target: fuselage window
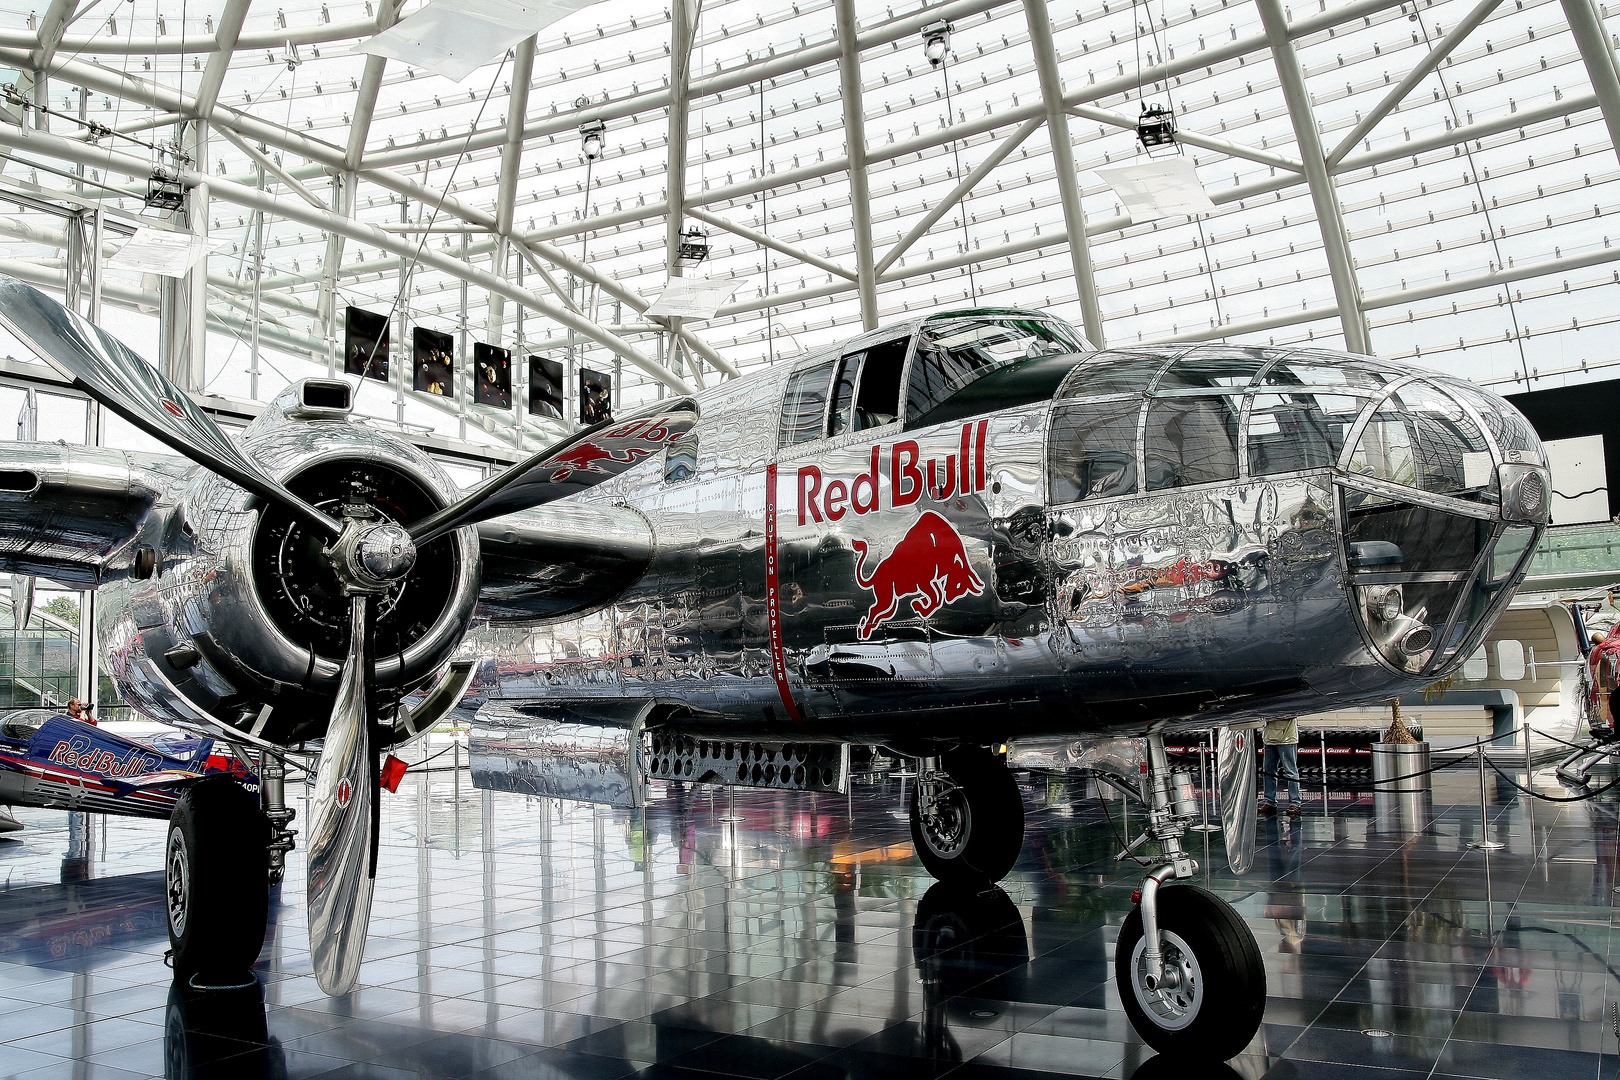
[(804, 409), (1191, 440), (952, 353), (1290, 432), (879, 401), (1093, 450), (843, 403), (680, 459)]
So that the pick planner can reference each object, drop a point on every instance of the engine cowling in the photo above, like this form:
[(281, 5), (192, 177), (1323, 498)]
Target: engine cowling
[(245, 612)]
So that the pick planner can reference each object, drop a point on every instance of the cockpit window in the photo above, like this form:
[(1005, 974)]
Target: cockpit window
[(953, 353), (1093, 450), (804, 408), (1111, 373), (20, 726), (1191, 440), (1290, 432), (1508, 427), (1295, 373), (1233, 371)]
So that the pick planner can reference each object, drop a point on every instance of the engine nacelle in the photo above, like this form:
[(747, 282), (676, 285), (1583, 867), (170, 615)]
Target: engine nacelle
[(242, 611)]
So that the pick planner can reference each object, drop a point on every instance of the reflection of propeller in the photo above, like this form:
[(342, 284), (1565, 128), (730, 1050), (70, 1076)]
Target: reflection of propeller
[(107, 370)]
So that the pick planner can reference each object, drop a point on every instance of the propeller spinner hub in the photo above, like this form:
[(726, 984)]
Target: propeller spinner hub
[(370, 557), (385, 552)]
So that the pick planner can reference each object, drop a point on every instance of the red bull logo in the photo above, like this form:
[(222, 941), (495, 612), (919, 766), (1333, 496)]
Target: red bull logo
[(927, 570), (584, 457), (78, 753)]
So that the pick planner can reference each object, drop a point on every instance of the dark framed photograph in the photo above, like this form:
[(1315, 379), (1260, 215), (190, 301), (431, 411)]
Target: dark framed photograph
[(365, 344), (545, 387), (595, 397), (433, 357), (492, 375)]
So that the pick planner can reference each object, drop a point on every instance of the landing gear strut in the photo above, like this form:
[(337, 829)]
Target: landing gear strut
[(967, 817), (1188, 969)]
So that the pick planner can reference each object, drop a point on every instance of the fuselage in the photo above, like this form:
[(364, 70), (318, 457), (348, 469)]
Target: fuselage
[(1073, 542)]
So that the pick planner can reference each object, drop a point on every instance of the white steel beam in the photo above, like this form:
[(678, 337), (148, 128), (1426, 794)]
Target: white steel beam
[(1598, 55), (230, 28), (1387, 103), (1324, 197), (860, 202), (1057, 129), (790, 250), (959, 192), (682, 30), (1194, 138), (1183, 64), (268, 164)]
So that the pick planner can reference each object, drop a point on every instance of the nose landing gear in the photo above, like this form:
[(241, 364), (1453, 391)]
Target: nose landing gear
[(1188, 969)]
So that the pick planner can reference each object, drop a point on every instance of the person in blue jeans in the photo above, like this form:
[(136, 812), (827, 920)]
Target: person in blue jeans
[(1281, 739)]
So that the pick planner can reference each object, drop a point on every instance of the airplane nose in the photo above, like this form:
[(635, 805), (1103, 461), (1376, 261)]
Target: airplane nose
[(1444, 491)]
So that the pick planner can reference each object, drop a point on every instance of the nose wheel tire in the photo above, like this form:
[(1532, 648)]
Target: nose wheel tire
[(1214, 994), (972, 829), (216, 892)]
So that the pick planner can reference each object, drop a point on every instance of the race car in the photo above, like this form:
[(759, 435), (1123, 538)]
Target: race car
[(51, 760)]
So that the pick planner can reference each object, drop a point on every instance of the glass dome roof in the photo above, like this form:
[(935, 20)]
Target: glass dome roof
[(1455, 152)]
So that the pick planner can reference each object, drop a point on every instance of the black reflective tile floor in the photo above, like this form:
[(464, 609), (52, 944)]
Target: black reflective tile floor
[(518, 937)]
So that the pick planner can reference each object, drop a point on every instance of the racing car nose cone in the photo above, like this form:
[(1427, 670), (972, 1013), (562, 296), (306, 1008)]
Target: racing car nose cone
[(386, 552)]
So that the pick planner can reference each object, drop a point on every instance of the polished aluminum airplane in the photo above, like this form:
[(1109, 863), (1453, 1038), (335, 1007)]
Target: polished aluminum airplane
[(971, 538)]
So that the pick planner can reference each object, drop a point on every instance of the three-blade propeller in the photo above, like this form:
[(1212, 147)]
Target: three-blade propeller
[(369, 558)]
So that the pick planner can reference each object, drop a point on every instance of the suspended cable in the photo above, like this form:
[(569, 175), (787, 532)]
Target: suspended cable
[(956, 154)]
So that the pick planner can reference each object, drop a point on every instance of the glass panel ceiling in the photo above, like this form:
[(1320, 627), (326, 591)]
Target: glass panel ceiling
[(1477, 212)]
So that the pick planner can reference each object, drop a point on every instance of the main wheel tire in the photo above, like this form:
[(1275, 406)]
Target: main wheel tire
[(215, 882), (1217, 1008), (978, 830)]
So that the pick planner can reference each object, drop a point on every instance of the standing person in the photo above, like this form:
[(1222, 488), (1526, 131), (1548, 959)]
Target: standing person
[(1282, 758), (80, 711)]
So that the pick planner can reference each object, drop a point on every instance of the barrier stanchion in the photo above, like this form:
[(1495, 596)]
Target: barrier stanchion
[(1204, 825), (1484, 843)]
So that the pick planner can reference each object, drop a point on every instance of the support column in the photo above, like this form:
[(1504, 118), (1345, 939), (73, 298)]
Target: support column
[(1057, 129), (1598, 55), (849, 73), (1324, 197), (89, 668)]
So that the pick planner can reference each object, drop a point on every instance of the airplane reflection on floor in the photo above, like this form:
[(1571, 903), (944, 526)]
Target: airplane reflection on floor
[(520, 937)]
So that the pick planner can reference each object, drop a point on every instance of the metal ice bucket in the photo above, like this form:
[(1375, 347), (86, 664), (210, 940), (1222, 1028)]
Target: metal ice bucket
[(1396, 767)]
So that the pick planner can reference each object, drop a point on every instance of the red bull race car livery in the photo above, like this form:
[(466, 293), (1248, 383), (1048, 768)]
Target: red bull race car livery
[(53, 761)]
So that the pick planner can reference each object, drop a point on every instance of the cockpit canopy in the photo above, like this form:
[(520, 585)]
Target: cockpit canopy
[(1134, 420), (942, 368)]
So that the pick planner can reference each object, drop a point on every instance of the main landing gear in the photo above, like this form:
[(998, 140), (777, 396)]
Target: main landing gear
[(223, 854), (967, 818), (1188, 969)]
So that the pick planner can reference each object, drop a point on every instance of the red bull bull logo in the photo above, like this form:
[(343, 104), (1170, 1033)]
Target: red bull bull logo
[(584, 457), (927, 570)]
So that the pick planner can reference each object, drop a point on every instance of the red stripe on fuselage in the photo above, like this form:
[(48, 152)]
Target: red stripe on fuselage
[(773, 607)]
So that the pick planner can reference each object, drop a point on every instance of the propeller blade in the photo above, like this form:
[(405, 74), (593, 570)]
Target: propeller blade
[(109, 371), (580, 461), (341, 870)]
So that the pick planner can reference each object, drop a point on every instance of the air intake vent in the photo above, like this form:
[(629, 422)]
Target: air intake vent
[(321, 394), (18, 480)]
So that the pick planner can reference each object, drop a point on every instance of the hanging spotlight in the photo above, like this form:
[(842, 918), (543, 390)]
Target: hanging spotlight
[(164, 192), (592, 135), (693, 248), (1156, 127), (937, 41)]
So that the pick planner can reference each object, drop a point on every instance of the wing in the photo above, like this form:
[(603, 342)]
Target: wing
[(69, 513), (560, 559)]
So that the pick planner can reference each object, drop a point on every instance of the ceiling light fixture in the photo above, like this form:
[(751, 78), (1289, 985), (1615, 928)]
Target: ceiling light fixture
[(592, 139), (937, 41)]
